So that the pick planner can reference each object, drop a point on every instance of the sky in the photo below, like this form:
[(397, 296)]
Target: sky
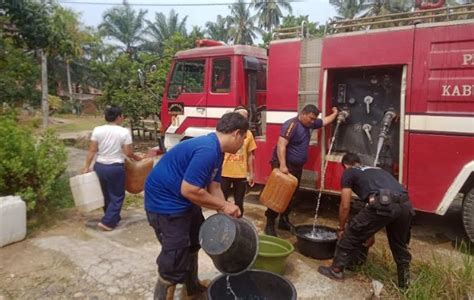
[(92, 10)]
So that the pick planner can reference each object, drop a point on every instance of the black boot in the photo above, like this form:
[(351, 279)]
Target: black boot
[(270, 227), (194, 288), (164, 290), (403, 272), (284, 223)]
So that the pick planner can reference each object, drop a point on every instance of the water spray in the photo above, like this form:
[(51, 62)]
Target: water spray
[(386, 123), (341, 117)]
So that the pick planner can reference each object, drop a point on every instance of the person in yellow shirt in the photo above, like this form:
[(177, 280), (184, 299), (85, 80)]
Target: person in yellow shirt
[(237, 169)]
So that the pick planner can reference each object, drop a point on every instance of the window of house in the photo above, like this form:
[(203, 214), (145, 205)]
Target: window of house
[(188, 77), (221, 75)]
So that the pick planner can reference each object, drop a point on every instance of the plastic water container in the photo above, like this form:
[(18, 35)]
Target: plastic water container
[(86, 192), (278, 190), (12, 220)]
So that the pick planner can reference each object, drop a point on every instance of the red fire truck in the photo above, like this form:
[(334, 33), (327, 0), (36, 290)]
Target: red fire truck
[(405, 83)]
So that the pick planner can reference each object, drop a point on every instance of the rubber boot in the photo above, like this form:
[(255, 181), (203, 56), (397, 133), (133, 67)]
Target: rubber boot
[(164, 290), (284, 222), (193, 287), (403, 272), (270, 227)]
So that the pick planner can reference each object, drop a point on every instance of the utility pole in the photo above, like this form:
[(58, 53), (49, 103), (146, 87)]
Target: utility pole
[(44, 85), (44, 88)]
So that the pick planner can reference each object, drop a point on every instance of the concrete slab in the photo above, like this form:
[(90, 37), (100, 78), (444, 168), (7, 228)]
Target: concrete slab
[(122, 262)]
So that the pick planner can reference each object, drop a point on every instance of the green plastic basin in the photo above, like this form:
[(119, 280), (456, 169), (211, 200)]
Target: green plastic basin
[(272, 254)]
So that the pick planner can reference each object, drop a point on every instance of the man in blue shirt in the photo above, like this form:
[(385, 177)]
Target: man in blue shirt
[(291, 153), (184, 180)]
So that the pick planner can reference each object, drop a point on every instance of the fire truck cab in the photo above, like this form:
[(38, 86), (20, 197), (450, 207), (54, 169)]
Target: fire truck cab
[(404, 82), (208, 81)]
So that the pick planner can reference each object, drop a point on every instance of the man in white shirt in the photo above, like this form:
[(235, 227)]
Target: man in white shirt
[(111, 143)]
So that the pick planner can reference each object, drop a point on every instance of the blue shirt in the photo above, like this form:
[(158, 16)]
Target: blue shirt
[(197, 160), (298, 137)]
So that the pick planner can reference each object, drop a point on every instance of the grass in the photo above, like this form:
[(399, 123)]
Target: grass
[(437, 278), (133, 201), (74, 123)]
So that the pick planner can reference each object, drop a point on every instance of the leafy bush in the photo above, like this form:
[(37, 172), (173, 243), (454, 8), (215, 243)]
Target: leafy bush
[(31, 166)]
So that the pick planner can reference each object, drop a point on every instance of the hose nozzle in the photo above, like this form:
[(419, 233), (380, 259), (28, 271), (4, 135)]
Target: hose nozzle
[(342, 116), (387, 122)]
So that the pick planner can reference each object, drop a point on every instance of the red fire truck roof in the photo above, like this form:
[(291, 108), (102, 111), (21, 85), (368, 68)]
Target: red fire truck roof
[(222, 51)]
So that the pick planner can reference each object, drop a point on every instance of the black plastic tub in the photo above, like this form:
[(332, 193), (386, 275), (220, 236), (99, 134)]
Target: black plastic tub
[(252, 285), (231, 243), (315, 248)]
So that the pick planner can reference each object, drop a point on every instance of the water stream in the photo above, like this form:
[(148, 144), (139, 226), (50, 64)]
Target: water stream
[(316, 234)]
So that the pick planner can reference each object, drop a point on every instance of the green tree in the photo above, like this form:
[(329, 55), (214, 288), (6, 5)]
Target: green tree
[(347, 9), (19, 75), (270, 12), (123, 88), (125, 25), (67, 39), (218, 30), (163, 28), (311, 28), (242, 29), (31, 19)]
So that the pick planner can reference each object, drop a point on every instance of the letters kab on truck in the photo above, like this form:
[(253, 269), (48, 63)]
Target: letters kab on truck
[(404, 85)]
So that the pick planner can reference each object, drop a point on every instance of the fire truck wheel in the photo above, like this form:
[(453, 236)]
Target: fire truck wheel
[(468, 214)]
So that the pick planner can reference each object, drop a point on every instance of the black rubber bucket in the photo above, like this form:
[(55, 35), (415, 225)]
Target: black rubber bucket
[(253, 284), (232, 243), (321, 248)]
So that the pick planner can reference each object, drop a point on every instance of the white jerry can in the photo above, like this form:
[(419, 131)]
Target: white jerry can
[(12, 220), (86, 192)]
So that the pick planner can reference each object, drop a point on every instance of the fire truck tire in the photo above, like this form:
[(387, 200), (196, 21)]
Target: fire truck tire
[(468, 214)]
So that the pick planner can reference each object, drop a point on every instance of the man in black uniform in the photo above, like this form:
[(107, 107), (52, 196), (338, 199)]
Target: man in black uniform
[(387, 206)]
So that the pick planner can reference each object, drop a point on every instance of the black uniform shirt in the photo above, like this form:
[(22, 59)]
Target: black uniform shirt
[(366, 180)]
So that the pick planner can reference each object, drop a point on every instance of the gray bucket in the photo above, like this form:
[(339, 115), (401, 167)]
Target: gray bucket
[(232, 243)]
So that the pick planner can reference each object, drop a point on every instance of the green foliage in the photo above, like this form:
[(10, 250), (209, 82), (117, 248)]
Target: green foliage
[(123, 24), (269, 12), (163, 28), (310, 27), (242, 29), (31, 20), (123, 88), (31, 167), (218, 30), (432, 278), (19, 74)]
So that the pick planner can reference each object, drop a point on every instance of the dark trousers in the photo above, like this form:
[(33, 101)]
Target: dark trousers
[(179, 237), (112, 182), (366, 223), (236, 186), (295, 171)]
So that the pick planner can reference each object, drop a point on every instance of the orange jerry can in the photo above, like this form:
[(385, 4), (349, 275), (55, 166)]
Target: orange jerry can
[(136, 173), (278, 191)]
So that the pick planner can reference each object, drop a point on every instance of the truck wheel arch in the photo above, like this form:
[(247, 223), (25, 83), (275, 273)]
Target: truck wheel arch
[(463, 182)]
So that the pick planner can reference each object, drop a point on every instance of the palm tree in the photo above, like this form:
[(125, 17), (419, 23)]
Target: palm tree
[(218, 30), (241, 24), (164, 28), (269, 12), (383, 7), (347, 9), (124, 25)]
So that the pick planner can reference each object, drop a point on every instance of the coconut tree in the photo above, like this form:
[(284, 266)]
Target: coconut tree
[(163, 28), (242, 29), (125, 25), (218, 30), (270, 12), (347, 9)]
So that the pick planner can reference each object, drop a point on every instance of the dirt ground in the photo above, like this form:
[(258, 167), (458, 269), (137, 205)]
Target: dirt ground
[(72, 259)]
